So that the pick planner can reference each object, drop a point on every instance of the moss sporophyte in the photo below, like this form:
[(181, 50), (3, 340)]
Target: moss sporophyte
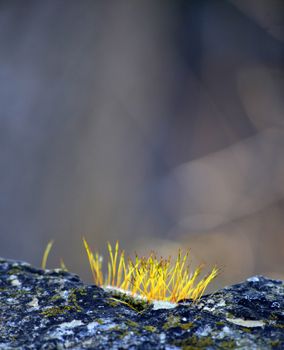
[(151, 278)]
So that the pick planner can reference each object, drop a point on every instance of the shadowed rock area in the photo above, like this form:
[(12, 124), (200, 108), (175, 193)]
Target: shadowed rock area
[(53, 309)]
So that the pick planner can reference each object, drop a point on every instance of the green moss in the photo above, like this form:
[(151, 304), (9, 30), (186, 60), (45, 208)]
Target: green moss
[(275, 343), (17, 293), (131, 323), (123, 334), (229, 344), (194, 343), (186, 326), (72, 298), (279, 325), (15, 270), (55, 298), (99, 321), (138, 305), (246, 330), (220, 323), (150, 328), (172, 321), (57, 310), (113, 303), (115, 328), (73, 304)]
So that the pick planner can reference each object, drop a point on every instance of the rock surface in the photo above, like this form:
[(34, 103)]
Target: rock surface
[(53, 309)]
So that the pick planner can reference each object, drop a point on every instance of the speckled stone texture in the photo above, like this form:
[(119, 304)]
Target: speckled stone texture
[(53, 309)]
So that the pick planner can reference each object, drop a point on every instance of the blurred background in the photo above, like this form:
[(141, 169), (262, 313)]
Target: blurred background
[(158, 123)]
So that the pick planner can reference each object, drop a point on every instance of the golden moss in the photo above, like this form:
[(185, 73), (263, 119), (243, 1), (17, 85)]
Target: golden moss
[(46, 254), (153, 278)]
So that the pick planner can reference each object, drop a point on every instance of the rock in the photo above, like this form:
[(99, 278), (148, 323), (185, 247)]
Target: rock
[(53, 309)]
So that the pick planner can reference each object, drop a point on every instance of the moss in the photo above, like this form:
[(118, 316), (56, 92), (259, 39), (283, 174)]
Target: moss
[(115, 329), (17, 293), (57, 310), (123, 334), (55, 298), (135, 303), (186, 326), (112, 302), (150, 328), (131, 323), (279, 325), (99, 321), (172, 321), (275, 343), (246, 330), (227, 344), (72, 299), (193, 343), (121, 271), (15, 270), (220, 323), (63, 309)]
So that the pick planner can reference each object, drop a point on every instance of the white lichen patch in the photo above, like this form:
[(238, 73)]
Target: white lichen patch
[(65, 328), (211, 305), (12, 301), (253, 279), (204, 332), (64, 294), (33, 303), (72, 324), (14, 281), (162, 338), (92, 326), (159, 304), (225, 332), (246, 323), (221, 303)]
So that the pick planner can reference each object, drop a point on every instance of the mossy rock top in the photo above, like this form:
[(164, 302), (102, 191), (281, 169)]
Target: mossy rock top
[(53, 309)]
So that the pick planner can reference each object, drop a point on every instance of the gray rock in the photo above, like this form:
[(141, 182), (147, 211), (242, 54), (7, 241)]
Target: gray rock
[(53, 309)]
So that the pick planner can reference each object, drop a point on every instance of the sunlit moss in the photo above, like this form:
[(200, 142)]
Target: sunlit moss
[(152, 278)]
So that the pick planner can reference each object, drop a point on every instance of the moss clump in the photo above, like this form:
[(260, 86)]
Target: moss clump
[(229, 344), (57, 310), (187, 326), (136, 304), (151, 329), (194, 343), (152, 278), (72, 305), (16, 270), (131, 323), (275, 343), (99, 321), (73, 298), (172, 321)]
